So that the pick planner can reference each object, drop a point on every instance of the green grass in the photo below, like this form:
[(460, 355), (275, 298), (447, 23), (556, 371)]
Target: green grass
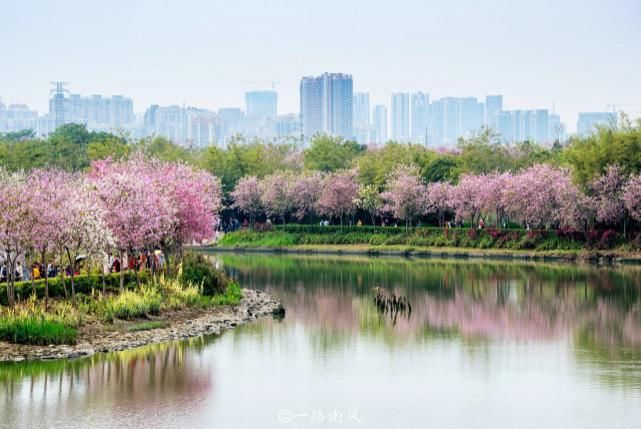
[(232, 295), (148, 326), (425, 237), (130, 304), (29, 323)]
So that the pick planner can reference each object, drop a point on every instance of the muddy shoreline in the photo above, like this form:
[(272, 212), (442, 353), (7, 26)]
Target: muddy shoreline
[(100, 338)]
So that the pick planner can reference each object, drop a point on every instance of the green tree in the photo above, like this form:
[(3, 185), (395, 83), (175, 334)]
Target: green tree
[(328, 153)]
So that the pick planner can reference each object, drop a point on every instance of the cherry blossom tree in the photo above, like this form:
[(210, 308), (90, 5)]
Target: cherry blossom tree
[(246, 196), (466, 197), (306, 191), (48, 190), (438, 196), (607, 196), (16, 222), (137, 202), (405, 194), (339, 195), (543, 196), (84, 232), (632, 197), (276, 194), (197, 199)]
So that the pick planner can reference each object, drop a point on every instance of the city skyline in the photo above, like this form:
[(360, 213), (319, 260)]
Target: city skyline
[(445, 50), (325, 102)]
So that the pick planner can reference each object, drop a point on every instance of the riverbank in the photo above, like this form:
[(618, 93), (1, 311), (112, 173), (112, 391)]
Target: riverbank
[(98, 337), (593, 256), (597, 246)]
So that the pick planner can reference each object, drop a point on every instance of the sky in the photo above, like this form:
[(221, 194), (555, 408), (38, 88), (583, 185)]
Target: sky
[(583, 54)]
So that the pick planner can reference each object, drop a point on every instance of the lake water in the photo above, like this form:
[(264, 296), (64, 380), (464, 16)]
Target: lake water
[(487, 345)]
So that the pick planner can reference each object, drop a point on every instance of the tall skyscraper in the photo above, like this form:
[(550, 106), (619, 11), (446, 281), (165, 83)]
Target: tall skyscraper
[(588, 122), (493, 105), (454, 117), (523, 125), (96, 111), (379, 120), (361, 110), (261, 104), (556, 129), (326, 105), (420, 117), (401, 116), (361, 117)]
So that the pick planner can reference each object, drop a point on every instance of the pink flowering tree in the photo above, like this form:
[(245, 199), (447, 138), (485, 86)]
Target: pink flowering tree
[(277, 196), (491, 201), (340, 194), (306, 192), (544, 196), (246, 196), (405, 194), (607, 196), (197, 199), (139, 208), (438, 197), (48, 191), (16, 223), (632, 197), (83, 233), (466, 197)]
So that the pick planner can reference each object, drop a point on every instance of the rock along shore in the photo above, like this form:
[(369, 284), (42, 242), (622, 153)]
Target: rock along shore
[(181, 325)]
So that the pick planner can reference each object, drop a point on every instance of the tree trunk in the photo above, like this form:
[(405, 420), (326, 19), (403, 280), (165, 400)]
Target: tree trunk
[(44, 269), (11, 297), (72, 272), (121, 275), (104, 282)]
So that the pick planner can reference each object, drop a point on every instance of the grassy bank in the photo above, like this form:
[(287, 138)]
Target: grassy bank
[(198, 286), (453, 241)]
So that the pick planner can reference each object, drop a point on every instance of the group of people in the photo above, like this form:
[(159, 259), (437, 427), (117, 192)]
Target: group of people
[(35, 272), (144, 260)]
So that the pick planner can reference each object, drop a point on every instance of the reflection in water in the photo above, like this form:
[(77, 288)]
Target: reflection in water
[(143, 376), (595, 308), (484, 341)]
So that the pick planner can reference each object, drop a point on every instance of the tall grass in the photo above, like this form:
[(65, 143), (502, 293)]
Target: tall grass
[(30, 323), (130, 304)]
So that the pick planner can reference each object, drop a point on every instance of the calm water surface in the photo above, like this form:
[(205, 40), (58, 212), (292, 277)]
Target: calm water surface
[(488, 344)]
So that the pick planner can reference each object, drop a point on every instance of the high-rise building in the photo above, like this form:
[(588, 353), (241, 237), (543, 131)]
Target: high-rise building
[(96, 112), (326, 105), (379, 121), (261, 104), (589, 121), (556, 129), (420, 114), (17, 117), (524, 125), (493, 105), (453, 118), (401, 116), (361, 117)]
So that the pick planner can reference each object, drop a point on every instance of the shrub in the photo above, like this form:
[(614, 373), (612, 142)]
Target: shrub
[(232, 295), (198, 270)]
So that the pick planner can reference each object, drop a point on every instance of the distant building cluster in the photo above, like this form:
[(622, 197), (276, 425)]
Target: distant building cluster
[(328, 105)]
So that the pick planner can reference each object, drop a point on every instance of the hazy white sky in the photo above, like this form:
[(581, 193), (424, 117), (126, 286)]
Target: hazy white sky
[(583, 53)]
